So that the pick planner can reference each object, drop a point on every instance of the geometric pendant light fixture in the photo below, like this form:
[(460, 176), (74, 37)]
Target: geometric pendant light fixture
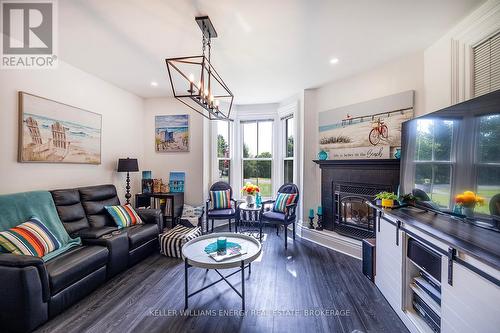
[(196, 83)]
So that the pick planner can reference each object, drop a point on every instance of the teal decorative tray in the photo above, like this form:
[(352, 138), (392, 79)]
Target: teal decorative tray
[(210, 248)]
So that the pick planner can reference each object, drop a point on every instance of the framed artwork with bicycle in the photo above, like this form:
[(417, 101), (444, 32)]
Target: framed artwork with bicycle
[(368, 130)]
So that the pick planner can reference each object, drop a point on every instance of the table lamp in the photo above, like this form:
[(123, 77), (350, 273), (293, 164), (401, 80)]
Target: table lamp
[(128, 165)]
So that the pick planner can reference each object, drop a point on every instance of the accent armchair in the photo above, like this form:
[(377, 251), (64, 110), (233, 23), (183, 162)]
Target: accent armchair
[(282, 218), (221, 213)]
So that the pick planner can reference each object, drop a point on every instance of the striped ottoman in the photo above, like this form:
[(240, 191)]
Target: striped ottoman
[(171, 241)]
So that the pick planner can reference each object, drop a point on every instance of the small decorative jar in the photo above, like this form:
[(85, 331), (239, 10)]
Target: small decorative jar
[(322, 155), (250, 200)]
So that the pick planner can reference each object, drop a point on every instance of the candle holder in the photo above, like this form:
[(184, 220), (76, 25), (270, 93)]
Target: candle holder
[(311, 222), (320, 224)]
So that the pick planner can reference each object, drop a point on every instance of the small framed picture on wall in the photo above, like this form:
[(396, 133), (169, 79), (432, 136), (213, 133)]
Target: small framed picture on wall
[(172, 133)]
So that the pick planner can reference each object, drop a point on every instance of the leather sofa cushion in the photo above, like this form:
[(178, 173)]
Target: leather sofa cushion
[(140, 234), (221, 213), (94, 233), (94, 198), (70, 210), (74, 265)]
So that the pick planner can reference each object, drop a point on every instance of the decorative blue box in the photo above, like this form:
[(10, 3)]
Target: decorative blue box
[(176, 181)]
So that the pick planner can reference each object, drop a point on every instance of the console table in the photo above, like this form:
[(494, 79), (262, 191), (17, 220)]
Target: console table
[(171, 208)]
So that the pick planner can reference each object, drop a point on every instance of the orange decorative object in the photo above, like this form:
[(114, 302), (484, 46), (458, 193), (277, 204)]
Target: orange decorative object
[(469, 199), (250, 189)]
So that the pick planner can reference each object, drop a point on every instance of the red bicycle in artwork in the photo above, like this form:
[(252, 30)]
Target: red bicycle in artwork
[(379, 131)]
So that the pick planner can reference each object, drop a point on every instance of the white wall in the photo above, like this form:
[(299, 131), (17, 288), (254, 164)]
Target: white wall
[(162, 163), (121, 129), (448, 61), (403, 74)]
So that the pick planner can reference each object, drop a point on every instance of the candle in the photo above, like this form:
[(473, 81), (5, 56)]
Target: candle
[(221, 245), (320, 210), (311, 213), (191, 79)]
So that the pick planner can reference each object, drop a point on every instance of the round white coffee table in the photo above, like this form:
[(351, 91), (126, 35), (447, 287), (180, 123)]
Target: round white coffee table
[(195, 256)]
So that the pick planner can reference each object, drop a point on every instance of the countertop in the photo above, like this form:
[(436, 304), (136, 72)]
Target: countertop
[(480, 243)]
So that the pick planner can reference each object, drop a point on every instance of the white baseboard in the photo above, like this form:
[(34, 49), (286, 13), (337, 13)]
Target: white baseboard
[(331, 240)]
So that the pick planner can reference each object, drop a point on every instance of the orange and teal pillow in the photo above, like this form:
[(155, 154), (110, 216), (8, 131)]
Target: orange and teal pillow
[(31, 238), (220, 199), (282, 200), (124, 216)]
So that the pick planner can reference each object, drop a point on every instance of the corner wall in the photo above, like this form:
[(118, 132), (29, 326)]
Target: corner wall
[(402, 74), (162, 163), (122, 134)]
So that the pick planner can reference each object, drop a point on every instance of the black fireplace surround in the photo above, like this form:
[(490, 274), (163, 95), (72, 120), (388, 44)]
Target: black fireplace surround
[(346, 185)]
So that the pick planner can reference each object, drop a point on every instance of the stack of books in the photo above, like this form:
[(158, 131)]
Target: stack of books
[(230, 253)]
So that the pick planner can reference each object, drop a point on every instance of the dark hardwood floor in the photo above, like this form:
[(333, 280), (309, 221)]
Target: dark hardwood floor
[(283, 285)]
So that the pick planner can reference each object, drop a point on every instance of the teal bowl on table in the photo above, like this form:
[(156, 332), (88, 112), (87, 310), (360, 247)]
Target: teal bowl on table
[(212, 247)]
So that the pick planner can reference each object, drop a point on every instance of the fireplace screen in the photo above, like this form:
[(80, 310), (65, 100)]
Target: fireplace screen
[(354, 210), (352, 216)]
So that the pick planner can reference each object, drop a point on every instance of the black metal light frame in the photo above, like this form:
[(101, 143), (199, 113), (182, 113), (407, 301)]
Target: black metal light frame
[(194, 97)]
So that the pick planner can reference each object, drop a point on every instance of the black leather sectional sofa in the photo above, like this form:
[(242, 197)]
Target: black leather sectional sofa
[(32, 291)]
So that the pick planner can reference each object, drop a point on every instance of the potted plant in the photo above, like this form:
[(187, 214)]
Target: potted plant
[(386, 199), (250, 190), (408, 199), (468, 201)]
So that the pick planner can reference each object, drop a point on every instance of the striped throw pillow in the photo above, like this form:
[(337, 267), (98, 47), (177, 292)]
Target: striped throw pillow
[(31, 238), (282, 200), (220, 199), (124, 216)]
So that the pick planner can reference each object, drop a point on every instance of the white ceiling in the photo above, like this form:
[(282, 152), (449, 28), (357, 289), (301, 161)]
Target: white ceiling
[(267, 50)]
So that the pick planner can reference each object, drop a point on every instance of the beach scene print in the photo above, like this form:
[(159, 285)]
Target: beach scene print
[(369, 132), (172, 133), (53, 132)]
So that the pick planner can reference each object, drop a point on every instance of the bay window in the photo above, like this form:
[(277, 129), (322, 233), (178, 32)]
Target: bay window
[(257, 157), (288, 149), (223, 152)]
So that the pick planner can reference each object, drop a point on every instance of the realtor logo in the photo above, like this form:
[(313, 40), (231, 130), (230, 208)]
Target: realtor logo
[(28, 34)]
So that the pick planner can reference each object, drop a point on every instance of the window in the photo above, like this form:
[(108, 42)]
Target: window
[(488, 160), (288, 149), (434, 159), (257, 154), (486, 73), (223, 151)]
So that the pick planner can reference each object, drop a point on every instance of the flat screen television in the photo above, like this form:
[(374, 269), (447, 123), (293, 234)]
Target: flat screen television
[(453, 150)]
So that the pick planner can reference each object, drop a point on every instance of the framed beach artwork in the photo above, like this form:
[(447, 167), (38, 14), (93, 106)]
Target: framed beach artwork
[(172, 133), (53, 132), (367, 130)]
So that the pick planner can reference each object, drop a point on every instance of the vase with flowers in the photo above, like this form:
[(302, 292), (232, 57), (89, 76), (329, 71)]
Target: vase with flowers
[(468, 201), (250, 190)]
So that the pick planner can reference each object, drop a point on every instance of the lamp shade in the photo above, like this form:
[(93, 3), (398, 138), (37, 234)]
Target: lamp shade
[(128, 165)]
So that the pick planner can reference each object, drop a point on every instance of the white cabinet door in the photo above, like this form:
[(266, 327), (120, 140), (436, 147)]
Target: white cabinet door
[(389, 263), (472, 304)]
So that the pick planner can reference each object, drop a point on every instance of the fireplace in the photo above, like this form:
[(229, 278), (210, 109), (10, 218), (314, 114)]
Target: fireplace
[(345, 187), (352, 216)]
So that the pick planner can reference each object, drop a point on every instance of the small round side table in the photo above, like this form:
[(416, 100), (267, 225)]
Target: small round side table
[(250, 215)]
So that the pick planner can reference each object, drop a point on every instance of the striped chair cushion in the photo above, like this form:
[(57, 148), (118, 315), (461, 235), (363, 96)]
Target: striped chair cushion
[(172, 241), (31, 238), (124, 216), (282, 200), (220, 199)]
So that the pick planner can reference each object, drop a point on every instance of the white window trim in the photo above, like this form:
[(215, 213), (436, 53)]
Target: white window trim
[(273, 153), (284, 142), (214, 159)]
